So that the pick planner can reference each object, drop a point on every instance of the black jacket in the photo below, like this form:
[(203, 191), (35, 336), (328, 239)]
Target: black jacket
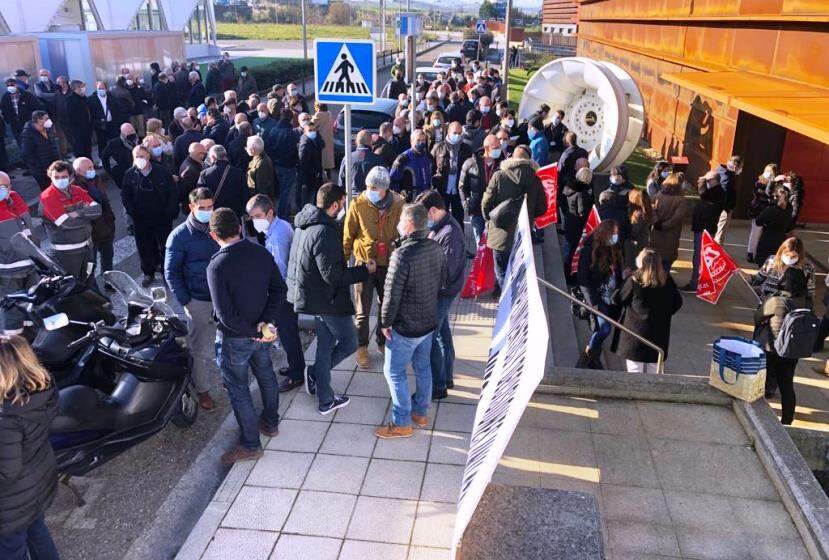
[(188, 176), (37, 151), (234, 194), (416, 273), (775, 223), (196, 95), (140, 99), (122, 154), (708, 209), (567, 164), (245, 288), (456, 112), (78, 116), (363, 160), (26, 105), (442, 158), (164, 96), (647, 312), (99, 120), (555, 134), (473, 181), (579, 197), (318, 275), (237, 154), (282, 144), (610, 211), (310, 162), (594, 283), (385, 150), (181, 146), (449, 234), (728, 181), (218, 131), (152, 198), (395, 88), (28, 471)]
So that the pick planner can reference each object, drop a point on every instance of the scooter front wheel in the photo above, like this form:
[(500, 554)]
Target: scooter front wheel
[(188, 409)]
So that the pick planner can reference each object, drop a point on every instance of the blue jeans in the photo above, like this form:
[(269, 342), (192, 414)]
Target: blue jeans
[(235, 355), (501, 259), (601, 330), (336, 340), (288, 328), (695, 259), (443, 350), (32, 543), (478, 227), (287, 187), (401, 350)]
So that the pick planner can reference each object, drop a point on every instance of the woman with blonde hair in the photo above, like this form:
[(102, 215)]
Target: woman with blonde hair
[(791, 253), (640, 215), (668, 214), (761, 198), (648, 299), (28, 471)]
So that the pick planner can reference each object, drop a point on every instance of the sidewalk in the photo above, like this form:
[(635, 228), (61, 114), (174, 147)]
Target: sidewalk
[(327, 488)]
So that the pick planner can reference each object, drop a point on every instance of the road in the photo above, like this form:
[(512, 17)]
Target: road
[(128, 496)]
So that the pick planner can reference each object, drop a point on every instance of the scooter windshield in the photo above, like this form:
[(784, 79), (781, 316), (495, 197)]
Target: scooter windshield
[(22, 244), (127, 288)]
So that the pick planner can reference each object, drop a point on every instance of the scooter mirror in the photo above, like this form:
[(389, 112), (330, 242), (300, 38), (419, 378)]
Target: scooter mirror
[(56, 322), (158, 294)]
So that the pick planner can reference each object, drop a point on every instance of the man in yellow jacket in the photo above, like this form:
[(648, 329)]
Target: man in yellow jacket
[(370, 229)]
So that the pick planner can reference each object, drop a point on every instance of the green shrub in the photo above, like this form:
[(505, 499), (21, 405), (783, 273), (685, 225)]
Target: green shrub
[(282, 71)]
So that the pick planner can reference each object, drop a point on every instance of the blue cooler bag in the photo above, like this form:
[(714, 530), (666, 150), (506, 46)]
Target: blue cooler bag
[(738, 368)]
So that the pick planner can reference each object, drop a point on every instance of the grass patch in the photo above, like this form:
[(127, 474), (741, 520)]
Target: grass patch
[(518, 79), (291, 31)]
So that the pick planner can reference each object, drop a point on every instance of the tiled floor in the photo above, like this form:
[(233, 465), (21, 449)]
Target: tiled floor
[(327, 488)]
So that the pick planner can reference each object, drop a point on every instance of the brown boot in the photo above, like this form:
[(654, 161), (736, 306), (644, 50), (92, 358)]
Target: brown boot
[(362, 357), (420, 421), (240, 453), (206, 402), (267, 431), (390, 431)]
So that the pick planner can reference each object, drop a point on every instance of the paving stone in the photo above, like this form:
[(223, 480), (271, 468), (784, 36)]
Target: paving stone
[(624, 460), (336, 473), (340, 381), (280, 469), (304, 407), (299, 435), (361, 550), (700, 511), (559, 413), (367, 384), (300, 547), (264, 509), (393, 479), (699, 467), (442, 483), (645, 505), (235, 544), (449, 447), (434, 524), (349, 439), (455, 417), (425, 553), (415, 448), (518, 472), (627, 536), (691, 422), (764, 517), (323, 514), (707, 544), (569, 454), (363, 410), (382, 520), (773, 548), (617, 417)]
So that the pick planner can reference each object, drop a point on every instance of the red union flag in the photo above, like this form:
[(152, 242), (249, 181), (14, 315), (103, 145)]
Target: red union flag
[(593, 220), (549, 178), (715, 269)]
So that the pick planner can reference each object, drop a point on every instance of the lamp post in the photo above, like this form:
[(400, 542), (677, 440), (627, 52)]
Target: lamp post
[(304, 40)]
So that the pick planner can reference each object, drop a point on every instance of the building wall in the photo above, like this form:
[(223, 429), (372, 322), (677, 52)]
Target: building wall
[(779, 38), (112, 51), (559, 12), (19, 51)]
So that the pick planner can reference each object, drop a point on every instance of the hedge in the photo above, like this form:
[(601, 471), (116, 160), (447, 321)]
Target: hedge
[(281, 71)]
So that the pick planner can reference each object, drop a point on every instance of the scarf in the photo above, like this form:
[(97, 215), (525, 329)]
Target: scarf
[(384, 204), (194, 224)]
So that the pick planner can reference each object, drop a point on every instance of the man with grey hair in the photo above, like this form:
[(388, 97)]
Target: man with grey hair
[(260, 169), (409, 314), (227, 183), (369, 231), (363, 160), (181, 145)]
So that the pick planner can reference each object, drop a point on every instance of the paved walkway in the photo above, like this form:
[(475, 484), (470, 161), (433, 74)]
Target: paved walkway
[(327, 488)]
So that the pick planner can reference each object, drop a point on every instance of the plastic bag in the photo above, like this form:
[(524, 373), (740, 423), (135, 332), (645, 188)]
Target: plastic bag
[(481, 279)]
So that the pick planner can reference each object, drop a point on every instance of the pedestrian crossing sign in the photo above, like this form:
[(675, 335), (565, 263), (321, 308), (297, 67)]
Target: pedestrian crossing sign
[(345, 71), (480, 26)]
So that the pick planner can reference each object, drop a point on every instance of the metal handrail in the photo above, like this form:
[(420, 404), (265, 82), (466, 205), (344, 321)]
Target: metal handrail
[(660, 360)]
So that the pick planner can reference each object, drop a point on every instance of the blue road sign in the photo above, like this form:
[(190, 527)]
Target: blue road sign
[(345, 71), (480, 26)]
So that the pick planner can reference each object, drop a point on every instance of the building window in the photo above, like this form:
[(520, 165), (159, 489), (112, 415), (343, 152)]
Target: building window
[(199, 27), (88, 20), (149, 17)]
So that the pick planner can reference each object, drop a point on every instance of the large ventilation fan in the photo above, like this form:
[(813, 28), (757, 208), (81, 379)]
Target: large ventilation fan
[(601, 103)]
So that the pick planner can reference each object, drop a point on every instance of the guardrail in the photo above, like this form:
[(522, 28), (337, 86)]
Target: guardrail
[(660, 354)]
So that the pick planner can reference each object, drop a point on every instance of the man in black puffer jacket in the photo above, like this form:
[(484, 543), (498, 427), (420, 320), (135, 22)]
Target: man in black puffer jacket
[(476, 172), (319, 281), (417, 272)]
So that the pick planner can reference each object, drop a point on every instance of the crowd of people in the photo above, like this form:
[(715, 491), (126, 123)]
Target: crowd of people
[(236, 200)]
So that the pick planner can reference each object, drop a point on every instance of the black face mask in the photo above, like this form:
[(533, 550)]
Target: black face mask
[(419, 147), (132, 138)]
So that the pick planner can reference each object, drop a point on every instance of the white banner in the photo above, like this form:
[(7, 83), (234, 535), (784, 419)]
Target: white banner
[(513, 371)]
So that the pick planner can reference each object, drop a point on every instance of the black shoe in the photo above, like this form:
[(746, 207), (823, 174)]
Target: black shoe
[(688, 288), (310, 382), (439, 394), (108, 287), (450, 385), (769, 394), (338, 402), (750, 257), (289, 384), (284, 372), (147, 280)]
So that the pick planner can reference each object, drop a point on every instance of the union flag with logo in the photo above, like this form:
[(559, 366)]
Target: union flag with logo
[(593, 221), (715, 269), (549, 179)]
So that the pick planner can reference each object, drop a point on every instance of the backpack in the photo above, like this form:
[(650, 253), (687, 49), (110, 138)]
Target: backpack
[(797, 335)]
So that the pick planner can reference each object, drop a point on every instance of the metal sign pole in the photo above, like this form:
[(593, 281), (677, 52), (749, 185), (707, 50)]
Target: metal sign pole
[(347, 144), (304, 41), (411, 66)]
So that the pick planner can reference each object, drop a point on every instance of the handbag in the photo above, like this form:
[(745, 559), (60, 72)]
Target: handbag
[(738, 368), (505, 215)]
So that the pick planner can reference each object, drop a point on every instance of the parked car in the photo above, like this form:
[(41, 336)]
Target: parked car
[(445, 61), (495, 56), (429, 73), (469, 49), (368, 117)]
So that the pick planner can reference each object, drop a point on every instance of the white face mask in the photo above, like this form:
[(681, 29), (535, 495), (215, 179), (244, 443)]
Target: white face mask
[(638, 262), (312, 134), (498, 111), (140, 162), (263, 115), (453, 138), (63, 183), (90, 174), (341, 214), (11, 89), (102, 93), (495, 153), (48, 124), (401, 230), (789, 260), (261, 225), (396, 129), (504, 145), (510, 122), (768, 175), (130, 83), (44, 79), (484, 109)]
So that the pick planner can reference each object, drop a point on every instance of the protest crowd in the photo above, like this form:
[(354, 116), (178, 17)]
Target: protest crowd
[(236, 201)]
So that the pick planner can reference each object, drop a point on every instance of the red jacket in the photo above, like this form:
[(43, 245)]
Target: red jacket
[(14, 218), (65, 232)]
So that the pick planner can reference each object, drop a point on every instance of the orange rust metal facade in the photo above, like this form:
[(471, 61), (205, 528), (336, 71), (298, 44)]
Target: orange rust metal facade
[(560, 11), (774, 39)]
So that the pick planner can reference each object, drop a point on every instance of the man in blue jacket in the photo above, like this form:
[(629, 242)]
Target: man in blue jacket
[(187, 254), (247, 293)]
